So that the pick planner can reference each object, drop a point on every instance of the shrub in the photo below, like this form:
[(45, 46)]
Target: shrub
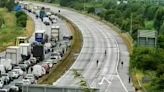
[(21, 19)]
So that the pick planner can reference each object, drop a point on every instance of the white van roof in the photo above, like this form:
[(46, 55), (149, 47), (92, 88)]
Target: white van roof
[(40, 31)]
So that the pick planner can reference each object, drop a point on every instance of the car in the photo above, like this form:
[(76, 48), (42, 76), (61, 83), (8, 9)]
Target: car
[(27, 62), (1, 82), (54, 21), (55, 55), (23, 66), (48, 13), (14, 88), (33, 60), (5, 90), (31, 77), (5, 77), (13, 74), (26, 81), (51, 61), (53, 17), (19, 71), (50, 64), (46, 21)]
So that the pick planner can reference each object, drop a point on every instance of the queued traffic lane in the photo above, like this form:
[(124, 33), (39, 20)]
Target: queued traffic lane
[(39, 25)]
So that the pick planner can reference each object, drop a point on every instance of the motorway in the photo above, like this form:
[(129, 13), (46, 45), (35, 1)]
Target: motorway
[(98, 69)]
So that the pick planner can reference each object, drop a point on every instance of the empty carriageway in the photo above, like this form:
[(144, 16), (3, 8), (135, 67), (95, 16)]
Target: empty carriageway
[(97, 37)]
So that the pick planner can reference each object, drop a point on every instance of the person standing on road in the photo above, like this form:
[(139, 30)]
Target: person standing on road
[(129, 79), (97, 62), (105, 53), (122, 63)]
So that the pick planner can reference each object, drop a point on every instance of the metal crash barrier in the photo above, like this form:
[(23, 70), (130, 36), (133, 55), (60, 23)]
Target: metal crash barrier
[(47, 88)]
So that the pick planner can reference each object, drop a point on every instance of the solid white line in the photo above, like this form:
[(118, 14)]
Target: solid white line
[(117, 69)]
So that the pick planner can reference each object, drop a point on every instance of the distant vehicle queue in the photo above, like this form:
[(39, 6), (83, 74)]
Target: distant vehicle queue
[(30, 56)]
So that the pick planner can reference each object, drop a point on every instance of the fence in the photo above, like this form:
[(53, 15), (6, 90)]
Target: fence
[(45, 88)]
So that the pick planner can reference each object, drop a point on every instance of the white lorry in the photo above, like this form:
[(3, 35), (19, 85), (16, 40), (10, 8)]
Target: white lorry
[(25, 50), (6, 63), (55, 33), (13, 53)]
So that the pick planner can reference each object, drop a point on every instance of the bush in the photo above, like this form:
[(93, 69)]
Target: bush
[(1, 21), (91, 10), (21, 19)]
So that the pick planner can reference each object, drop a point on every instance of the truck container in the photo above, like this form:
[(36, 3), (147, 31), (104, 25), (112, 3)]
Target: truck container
[(6, 63), (55, 33), (38, 52), (47, 9), (13, 53), (25, 50)]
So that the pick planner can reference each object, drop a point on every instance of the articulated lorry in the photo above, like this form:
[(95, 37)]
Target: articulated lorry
[(13, 53), (25, 50), (38, 52), (55, 33), (41, 36), (21, 39)]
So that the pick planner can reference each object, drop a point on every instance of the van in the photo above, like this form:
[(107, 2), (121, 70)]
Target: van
[(46, 21), (38, 71)]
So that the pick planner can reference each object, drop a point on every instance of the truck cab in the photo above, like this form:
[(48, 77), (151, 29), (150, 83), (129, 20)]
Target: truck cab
[(21, 40), (40, 36)]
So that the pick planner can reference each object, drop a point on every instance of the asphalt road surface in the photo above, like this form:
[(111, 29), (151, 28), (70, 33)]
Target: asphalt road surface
[(101, 53)]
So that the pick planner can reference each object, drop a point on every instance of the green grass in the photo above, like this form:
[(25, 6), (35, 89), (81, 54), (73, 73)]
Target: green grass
[(9, 31)]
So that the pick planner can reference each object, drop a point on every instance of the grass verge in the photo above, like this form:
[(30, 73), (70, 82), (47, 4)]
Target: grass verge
[(58, 70), (30, 27), (9, 31)]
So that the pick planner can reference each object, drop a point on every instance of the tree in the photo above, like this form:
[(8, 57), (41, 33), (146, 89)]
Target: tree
[(160, 70), (10, 5), (91, 10), (161, 30), (21, 18), (161, 41), (159, 17), (158, 83), (150, 12), (1, 21)]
